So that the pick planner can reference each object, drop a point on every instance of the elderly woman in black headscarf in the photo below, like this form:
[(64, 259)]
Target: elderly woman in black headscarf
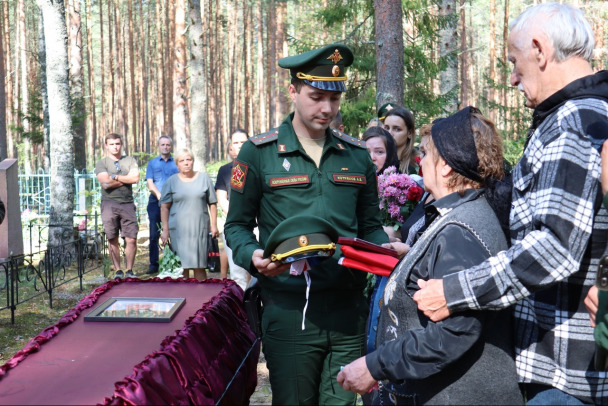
[(467, 358)]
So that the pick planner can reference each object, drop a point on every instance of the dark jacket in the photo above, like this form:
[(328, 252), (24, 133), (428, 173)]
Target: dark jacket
[(465, 359)]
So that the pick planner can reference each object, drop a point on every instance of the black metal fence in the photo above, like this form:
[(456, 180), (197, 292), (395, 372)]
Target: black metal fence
[(28, 276)]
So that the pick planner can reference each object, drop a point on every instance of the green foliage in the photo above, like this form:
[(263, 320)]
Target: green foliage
[(213, 167), (33, 117), (169, 260), (356, 113), (513, 150)]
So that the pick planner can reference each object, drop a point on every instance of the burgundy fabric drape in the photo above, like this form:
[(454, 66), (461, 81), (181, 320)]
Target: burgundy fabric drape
[(192, 366)]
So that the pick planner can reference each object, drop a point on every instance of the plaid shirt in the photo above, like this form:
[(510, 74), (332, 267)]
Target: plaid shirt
[(558, 234)]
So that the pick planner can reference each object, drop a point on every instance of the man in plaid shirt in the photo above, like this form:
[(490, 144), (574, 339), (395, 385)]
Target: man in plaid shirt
[(558, 228)]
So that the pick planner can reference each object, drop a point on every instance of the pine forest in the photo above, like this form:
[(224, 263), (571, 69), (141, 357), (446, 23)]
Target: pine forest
[(198, 69)]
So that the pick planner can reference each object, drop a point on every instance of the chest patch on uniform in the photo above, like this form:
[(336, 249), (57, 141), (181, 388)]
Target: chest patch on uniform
[(289, 180), (341, 178), (239, 176)]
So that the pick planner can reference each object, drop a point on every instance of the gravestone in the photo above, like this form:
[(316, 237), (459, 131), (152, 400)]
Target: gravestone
[(11, 235)]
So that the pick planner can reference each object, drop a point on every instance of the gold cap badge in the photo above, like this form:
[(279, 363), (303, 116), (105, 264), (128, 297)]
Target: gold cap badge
[(335, 57)]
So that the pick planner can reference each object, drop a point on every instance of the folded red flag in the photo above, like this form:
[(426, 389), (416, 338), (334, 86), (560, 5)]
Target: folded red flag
[(386, 262), (351, 263)]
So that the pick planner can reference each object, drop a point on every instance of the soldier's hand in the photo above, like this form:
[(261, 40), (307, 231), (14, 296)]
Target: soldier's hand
[(265, 266)]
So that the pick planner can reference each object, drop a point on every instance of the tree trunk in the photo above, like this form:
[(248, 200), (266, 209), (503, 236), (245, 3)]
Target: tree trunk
[(3, 149), (170, 63), (492, 68), (271, 63), (92, 116), (180, 89), (78, 113), (62, 156), (198, 95), (261, 123), (4, 33), (24, 96), (448, 47), (44, 94), (283, 100), (133, 112), (389, 52), (464, 57), (104, 120)]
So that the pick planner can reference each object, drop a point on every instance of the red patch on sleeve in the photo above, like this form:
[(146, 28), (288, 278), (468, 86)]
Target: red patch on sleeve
[(239, 176)]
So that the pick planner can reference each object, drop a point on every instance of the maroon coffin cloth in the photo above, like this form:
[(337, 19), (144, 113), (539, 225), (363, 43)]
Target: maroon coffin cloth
[(189, 360)]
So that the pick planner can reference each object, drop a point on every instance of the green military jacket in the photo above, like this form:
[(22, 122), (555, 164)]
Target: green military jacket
[(273, 179)]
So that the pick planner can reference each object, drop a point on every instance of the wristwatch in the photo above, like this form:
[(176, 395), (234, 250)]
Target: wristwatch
[(114, 176)]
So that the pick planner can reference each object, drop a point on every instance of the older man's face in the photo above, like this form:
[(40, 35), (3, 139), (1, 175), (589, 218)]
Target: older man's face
[(526, 73)]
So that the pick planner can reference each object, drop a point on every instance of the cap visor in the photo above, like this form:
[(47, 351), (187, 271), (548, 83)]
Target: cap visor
[(332, 86)]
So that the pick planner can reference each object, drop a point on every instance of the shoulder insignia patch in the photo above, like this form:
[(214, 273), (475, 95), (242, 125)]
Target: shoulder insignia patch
[(347, 138), (266, 137), (239, 176)]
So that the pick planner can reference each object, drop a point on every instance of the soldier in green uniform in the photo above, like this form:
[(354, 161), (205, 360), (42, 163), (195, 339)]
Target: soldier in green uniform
[(304, 167)]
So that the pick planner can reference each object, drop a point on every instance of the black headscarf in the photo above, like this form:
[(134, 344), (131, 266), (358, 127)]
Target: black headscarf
[(453, 137)]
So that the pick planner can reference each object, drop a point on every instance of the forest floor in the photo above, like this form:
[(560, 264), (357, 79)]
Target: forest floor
[(34, 316)]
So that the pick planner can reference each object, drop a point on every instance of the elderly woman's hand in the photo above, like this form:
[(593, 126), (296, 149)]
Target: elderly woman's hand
[(164, 237), (355, 377), (400, 247)]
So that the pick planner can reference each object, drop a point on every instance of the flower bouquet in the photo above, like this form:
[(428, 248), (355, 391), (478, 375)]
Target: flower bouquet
[(399, 194)]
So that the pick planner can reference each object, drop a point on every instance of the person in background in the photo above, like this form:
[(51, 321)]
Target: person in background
[(337, 123), (222, 189), (374, 122), (188, 207), (596, 300), (117, 173), (305, 168), (382, 148), (385, 108), (399, 121), (159, 169), (466, 359), (558, 226)]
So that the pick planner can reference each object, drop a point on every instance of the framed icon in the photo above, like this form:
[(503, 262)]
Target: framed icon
[(137, 309)]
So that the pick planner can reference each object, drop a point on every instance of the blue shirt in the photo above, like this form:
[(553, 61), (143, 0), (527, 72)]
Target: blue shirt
[(160, 170)]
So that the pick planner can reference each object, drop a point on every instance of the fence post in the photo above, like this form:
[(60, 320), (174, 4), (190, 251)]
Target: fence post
[(48, 267), (82, 198)]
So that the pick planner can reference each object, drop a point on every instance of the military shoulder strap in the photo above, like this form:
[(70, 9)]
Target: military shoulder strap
[(348, 139), (266, 137)]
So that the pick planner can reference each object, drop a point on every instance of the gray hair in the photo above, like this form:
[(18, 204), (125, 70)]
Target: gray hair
[(165, 136), (565, 26), (182, 152)]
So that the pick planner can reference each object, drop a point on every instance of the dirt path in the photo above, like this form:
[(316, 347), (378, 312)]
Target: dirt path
[(262, 394)]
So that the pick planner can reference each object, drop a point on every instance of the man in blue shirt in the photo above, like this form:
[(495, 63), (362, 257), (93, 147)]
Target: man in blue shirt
[(158, 171)]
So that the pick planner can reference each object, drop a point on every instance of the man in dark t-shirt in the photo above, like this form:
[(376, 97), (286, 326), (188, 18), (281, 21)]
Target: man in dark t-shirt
[(222, 190), (116, 174)]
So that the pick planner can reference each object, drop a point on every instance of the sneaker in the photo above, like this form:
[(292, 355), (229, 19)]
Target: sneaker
[(119, 274), (130, 274)]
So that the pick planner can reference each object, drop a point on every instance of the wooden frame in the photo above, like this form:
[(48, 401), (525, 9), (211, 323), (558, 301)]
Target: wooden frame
[(137, 309)]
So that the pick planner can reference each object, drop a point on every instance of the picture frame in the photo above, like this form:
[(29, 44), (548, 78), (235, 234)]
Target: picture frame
[(137, 309)]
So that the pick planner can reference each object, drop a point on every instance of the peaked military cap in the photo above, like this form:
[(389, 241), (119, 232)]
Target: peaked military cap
[(384, 109), (301, 237), (323, 68)]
